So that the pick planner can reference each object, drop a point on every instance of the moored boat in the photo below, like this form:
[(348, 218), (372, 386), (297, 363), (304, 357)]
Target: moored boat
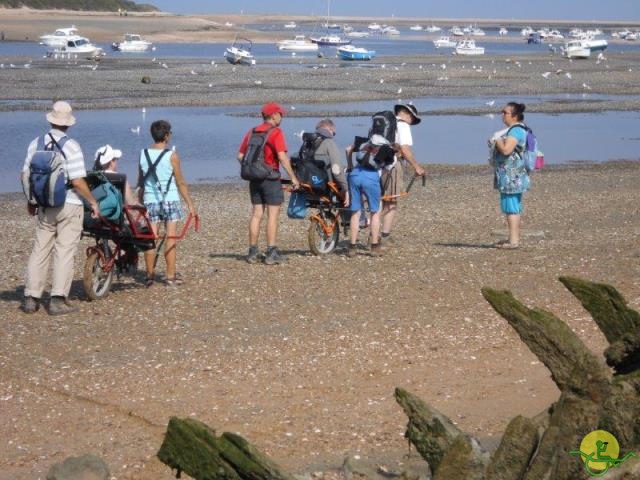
[(576, 49), (77, 46), (357, 34), (416, 28), (351, 52), (298, 44), (132, 43), (330, 40), (59, 38), (468, 47), (445, 42), (290, 25), (239, 53)]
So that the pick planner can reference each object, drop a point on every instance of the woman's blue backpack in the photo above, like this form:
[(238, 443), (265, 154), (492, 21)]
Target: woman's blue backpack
[(530, 151)]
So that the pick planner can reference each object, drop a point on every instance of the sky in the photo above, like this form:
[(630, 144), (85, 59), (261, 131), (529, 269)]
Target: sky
[(606, 10)]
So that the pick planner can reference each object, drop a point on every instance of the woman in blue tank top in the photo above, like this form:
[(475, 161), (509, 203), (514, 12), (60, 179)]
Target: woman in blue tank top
[(161, 185)]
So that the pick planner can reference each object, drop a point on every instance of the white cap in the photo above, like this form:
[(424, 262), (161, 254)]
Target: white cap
[(105, 154)]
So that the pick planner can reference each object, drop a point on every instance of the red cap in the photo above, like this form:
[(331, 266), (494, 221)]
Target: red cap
[(269, 109)]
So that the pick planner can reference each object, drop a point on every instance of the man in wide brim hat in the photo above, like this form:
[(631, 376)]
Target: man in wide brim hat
[(411, 109), (392, 179), (58, 228), (60, 115)]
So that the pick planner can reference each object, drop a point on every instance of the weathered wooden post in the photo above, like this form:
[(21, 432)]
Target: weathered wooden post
[(592, 398)]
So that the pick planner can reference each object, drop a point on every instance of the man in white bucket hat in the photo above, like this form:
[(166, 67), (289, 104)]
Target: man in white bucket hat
[(392, 177), (58, 229)]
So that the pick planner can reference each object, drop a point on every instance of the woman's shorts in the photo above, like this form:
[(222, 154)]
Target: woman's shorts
[(164, 211), (511, 203), (266, 192), (364, 182)]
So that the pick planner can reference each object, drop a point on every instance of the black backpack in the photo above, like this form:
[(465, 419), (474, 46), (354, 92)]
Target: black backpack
[(253, 166), (310, 171), (376, 150)]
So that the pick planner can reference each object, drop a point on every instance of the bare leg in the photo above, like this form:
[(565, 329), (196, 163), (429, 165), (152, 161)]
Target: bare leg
[(388, 216), (150, 255), (273, 220), (375, 227), (170, 253), (513, 223), (254, 223), (354, 226)]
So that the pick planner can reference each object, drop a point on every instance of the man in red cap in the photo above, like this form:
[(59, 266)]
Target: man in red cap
[(267, 195)]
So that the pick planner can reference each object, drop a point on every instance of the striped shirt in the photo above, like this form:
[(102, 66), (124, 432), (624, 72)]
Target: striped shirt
[(74, 164)]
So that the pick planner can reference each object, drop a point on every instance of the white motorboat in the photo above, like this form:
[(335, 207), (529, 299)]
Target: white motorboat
[(374, 27), (595, 44), (330, 40), (468, 47), (631, 36), (298, 44), (456, 31), (240, 52), (290, 25), (357, 34), (389, 30), (503, 31), (132, 43), (59, 38), (477, 32), (445, 42), (576, 49), (526, 31), (416, 28), (433, 29), (77, 46)]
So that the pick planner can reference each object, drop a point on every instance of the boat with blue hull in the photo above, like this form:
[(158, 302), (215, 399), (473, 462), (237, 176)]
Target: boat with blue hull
[(350, 52)]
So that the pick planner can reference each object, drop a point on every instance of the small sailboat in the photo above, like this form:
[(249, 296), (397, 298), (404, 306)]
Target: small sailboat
[(239, 53)]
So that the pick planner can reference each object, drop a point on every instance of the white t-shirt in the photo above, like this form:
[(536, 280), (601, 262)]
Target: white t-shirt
[(403, 134)]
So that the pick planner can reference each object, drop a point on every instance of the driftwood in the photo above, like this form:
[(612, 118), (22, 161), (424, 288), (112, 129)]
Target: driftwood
[(592, 398), (192, 447)]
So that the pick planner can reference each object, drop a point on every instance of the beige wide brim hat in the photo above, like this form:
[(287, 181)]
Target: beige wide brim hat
[(60, 115)]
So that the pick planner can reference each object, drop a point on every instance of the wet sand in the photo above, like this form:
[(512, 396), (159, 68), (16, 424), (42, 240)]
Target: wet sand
[(302, 359)]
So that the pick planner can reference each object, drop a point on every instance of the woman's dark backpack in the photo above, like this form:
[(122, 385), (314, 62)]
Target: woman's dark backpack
[(375, 151), (310, 171)]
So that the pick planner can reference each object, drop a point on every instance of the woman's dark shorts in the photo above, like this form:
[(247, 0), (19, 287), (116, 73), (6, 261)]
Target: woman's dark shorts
[(266, 192)]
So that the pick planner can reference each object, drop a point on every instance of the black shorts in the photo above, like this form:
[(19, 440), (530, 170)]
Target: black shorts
[(266, 192)]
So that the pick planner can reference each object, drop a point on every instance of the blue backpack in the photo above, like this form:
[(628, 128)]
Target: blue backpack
[(46, 184), (530, 151)]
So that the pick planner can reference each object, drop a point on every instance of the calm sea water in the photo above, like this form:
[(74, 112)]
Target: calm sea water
[(208, 138), (405, 44)]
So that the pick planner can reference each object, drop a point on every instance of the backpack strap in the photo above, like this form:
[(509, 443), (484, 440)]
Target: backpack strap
[(526, 130), (151, 170), (58, 146)]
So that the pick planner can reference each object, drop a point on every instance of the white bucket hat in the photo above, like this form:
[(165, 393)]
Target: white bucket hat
[(60, 115), (106, 153)]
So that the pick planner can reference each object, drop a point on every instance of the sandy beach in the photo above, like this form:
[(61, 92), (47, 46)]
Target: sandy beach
[(302, 359)]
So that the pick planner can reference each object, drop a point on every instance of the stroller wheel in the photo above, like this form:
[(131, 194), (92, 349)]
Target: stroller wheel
[(320, 242), (96, 281)]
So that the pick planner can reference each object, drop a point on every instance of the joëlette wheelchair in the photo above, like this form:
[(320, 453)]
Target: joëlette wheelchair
[(117, 243)]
